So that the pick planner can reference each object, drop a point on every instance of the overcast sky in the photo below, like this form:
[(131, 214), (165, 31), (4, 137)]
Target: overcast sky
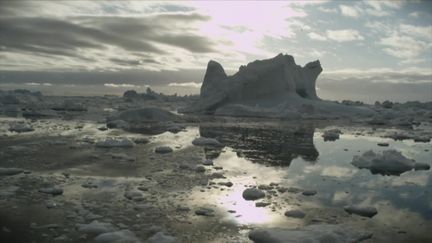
[(377, 48)]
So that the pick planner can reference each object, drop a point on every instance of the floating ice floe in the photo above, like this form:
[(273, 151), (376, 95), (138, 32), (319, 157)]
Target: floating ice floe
[(161, 237), (309, 192), (95, 228), (335, 233), (422, 139), (203, 141), (147, 115), (421, 166), (55, 191), (20, 127), (124, 236), (389, 162), (10, 171), (19, 96), (115, 142), (70, 105), (122, 156), (149, 120)]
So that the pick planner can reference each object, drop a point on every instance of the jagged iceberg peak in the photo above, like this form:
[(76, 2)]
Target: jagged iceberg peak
[(213, 75), (275, 76)]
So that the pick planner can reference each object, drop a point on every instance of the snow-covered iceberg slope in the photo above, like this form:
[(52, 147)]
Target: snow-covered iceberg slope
[(275, 87)]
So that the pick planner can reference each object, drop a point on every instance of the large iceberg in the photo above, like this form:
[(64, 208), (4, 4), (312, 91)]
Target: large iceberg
[(275, 87)]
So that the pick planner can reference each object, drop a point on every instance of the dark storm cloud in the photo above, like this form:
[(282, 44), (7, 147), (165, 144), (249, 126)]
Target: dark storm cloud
[(183, 17), (68, 37), (169, 29), (189, 42), (59, 37)]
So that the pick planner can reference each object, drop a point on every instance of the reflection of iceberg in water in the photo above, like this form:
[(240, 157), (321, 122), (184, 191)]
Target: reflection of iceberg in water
[(277, 146)]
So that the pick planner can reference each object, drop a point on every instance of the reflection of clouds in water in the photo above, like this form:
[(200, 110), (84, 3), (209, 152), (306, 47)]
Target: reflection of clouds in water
[(311, 169), (337, 181), (351, 137), (408, 191), (414, 178), (337, 171), (182, 139), (242, 173), (242, 167), (340, 196), (246, 210), (401, 218)]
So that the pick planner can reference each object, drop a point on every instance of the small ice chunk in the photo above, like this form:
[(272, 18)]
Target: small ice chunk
[(422, 139), (331, 135), (141, 140), (362, 211), (133, 195), (309, 192), (51, 190), (295, 214), (163, 150), (207, 162), (10, 171), (262, 204), (51, 204), (118, 124), (89, 185), (200, 169), (383, 144), (252, 194), (227, 184), (204, 212)]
